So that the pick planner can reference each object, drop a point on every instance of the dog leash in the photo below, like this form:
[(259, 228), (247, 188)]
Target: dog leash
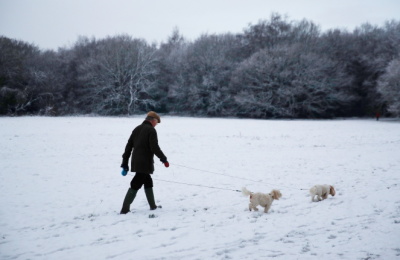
[(191, 184), (198, 185), (183, 166)]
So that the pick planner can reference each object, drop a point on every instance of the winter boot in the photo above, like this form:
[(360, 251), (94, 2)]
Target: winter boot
[(150, 198), (129, 197)]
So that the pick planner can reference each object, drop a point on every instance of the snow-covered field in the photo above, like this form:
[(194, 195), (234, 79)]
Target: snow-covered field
[(61, 189)]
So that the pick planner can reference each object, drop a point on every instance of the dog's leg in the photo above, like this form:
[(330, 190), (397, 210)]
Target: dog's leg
[(266, 209), (252, 207)]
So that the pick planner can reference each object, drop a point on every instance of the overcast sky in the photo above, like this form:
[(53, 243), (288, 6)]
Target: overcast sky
[(50, 24)]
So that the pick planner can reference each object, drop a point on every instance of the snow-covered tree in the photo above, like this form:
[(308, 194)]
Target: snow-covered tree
[(389, 87), (286, 82), (119, 75), (169, 73), (28, 78), (205, 75)]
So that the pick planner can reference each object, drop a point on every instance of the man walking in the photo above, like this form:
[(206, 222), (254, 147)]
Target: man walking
[(142, 145)]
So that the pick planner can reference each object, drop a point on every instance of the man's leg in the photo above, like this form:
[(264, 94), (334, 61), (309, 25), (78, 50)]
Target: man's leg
[(148, 190), (129, 197), (136, 184)]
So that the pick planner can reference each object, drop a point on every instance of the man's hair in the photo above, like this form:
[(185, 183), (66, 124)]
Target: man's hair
[(153, 115)]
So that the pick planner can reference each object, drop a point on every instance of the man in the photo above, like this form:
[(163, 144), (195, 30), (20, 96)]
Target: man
[(143, 145)]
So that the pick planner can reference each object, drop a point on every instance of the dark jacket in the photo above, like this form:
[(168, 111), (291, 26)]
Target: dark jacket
[(143, 144)]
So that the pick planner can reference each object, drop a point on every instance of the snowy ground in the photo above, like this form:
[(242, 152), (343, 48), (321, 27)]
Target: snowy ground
[(62, 190)]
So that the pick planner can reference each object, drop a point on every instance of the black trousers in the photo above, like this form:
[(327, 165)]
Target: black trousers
[(141, 179)]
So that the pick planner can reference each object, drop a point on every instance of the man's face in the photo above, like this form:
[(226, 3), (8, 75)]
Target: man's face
[(154, 122)]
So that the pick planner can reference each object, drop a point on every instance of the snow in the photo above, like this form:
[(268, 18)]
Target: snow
[(62, 189)]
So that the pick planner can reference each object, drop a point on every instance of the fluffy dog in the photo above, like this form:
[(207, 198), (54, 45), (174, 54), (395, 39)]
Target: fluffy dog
[(321, 192), (263, 199)]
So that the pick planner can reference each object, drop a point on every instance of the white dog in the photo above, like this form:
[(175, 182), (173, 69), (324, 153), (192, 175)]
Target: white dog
[(322, 192), (262, 199)]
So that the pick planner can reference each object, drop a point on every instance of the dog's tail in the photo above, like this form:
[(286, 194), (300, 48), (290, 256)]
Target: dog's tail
[(246, 192)]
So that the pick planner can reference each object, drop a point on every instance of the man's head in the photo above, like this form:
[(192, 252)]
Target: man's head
[(153, 117)]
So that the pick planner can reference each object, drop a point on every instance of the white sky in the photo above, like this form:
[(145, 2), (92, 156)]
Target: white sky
[(57, 23)]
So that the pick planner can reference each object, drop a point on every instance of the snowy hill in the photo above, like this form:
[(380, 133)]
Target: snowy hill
[(62, 190)]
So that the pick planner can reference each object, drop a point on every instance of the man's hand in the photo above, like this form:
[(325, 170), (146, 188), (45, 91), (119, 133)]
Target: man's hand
[(125, 169), (124, 172)]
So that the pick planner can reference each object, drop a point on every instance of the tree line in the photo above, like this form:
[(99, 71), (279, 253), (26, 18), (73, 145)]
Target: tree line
[(276, 68)]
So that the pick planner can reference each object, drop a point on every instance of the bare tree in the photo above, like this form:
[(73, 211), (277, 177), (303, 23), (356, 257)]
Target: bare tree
[(118, 75)]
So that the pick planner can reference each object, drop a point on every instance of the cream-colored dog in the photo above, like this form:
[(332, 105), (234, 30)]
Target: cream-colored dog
[(263, 199), (321, 192)]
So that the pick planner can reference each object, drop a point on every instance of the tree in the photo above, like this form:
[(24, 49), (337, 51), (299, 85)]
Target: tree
[(169, 63), (266, 34), (287, 82), (364, 55), (17, 93), (389, 87), (205, 74), (275, 68), (118, 76), (73, 90), (46, 80)]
